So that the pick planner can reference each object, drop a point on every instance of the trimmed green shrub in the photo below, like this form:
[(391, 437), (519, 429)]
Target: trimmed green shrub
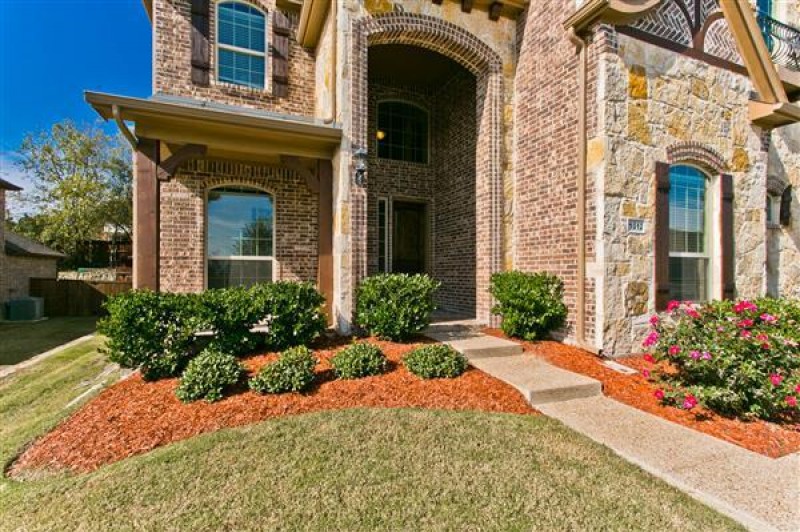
[(150, 331), (435, 362), (359, 360), (292, 372), (231, 313), (395, 306), (208, 375), (531, 304), (291, 311), (740, 359)]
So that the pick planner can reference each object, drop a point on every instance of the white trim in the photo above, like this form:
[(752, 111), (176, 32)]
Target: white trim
[(387, 258), (220, 46)]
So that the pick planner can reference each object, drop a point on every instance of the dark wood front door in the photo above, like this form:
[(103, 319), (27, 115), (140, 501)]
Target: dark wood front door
[(409, 238)]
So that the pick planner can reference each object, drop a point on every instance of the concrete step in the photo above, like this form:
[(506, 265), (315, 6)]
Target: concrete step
[(454, 326), (474, 345)]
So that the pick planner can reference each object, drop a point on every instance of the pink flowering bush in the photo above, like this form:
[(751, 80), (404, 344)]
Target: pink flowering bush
[(740, 359)]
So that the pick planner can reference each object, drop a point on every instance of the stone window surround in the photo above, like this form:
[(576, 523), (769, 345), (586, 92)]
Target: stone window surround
[(477, 57), (712, 165)]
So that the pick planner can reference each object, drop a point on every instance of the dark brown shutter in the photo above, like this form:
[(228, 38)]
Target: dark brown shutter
[(661, 236), (281, 28), (726, 230), (786, 206), (201, 63)]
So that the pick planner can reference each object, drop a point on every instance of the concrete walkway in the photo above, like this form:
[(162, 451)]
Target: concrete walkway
[(760, 492)]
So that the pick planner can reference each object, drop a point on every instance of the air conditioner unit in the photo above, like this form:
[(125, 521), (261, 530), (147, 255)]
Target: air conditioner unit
[(25, 309)]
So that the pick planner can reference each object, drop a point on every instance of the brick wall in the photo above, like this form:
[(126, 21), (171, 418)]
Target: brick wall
[(172, 63), (546, 153), (446, 183), (183, 214), (20, 270)]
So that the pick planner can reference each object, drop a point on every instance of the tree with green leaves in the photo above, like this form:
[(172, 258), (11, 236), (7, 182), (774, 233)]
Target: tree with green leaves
[(82, 185)]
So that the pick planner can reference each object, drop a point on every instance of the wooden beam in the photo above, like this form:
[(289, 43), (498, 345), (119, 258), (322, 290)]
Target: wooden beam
[(437, 2), (325, 249), (495, 8), (146, 216), (167, 169), (466, 5)]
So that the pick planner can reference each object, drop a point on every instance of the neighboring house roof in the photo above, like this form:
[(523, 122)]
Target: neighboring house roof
[(20, 246), (5, 185)]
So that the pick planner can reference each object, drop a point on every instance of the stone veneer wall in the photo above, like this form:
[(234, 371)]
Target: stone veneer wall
[(172, 73), (446, 184), (183, 221), (20, 270), (655, 98), (546, 118)]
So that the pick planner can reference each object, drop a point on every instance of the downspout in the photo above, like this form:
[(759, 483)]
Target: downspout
[(334, 55), (580, 229)]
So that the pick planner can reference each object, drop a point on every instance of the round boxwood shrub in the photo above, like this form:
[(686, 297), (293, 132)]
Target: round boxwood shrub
[(531, 304), (292, 372), (435, 362), (395, 306), (208, 376), (291, 311), (359, 360)]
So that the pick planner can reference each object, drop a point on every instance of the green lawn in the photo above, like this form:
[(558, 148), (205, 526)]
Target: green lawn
[(21, 341), (356, 469)]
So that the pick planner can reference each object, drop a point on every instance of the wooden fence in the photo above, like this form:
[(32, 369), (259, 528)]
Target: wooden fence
[(74, 297)]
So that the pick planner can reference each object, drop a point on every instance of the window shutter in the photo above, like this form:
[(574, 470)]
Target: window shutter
[(281, 28), (661, 237), (726, 229), (201, 63), (786, 206)]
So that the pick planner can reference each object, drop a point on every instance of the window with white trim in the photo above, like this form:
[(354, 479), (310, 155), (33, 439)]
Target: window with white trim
[(689, 243), (240, 237), (241, 44)]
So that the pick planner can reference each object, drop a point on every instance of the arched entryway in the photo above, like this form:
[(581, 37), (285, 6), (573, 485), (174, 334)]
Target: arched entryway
[(474, 70)]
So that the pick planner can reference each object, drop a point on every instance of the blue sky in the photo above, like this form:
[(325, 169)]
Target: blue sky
[(53, 50)]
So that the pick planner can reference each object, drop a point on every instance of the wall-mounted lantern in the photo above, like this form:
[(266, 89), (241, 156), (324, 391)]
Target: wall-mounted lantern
[(360, 166)]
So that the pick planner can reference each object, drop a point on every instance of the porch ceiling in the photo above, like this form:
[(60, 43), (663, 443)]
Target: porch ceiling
[(225, 131)]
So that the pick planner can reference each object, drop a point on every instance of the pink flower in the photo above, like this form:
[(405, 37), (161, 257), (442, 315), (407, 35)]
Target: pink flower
[(649, 358), (761, 337), (744, 306), (746, 334), (672, 305), (797, 388), (745, 323), (776, 379), (674, 350), (651, 339), (659, 394), (768, 318), (706, 355), (791, 400), (646, 373), (654, 320), (689, 402), (695, 355), (692, 313)]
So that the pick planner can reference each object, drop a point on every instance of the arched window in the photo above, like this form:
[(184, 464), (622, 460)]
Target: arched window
[(240, 237), (402, 132), (241, 44), (689, 242)]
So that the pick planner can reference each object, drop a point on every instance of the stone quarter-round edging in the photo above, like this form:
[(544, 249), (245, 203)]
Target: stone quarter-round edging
[(10, 370)]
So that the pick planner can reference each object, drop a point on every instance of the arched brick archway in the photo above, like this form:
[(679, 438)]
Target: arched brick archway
[(476, 56)]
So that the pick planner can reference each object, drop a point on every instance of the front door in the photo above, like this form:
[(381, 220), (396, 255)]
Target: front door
[(409, 237)]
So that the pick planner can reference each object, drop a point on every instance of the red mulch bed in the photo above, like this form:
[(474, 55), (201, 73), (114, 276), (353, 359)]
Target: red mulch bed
[(134, 417), (762, 437)]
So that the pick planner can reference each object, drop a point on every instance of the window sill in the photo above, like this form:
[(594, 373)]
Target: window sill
[(242, 89), (773, 226)]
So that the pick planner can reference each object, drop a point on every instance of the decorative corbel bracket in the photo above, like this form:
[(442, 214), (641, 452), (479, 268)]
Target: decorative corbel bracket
[(167, 168), (308, 174)]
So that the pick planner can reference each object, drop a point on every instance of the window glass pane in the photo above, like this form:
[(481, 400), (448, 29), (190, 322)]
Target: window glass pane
[(240, 223), (223, 273), (382, 243), (241, 68), (405, 129), (688, 278), (242, 26), (687, 210)]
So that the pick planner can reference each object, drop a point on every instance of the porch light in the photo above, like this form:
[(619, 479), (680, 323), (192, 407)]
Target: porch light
[(360, 164), (380, 135)]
